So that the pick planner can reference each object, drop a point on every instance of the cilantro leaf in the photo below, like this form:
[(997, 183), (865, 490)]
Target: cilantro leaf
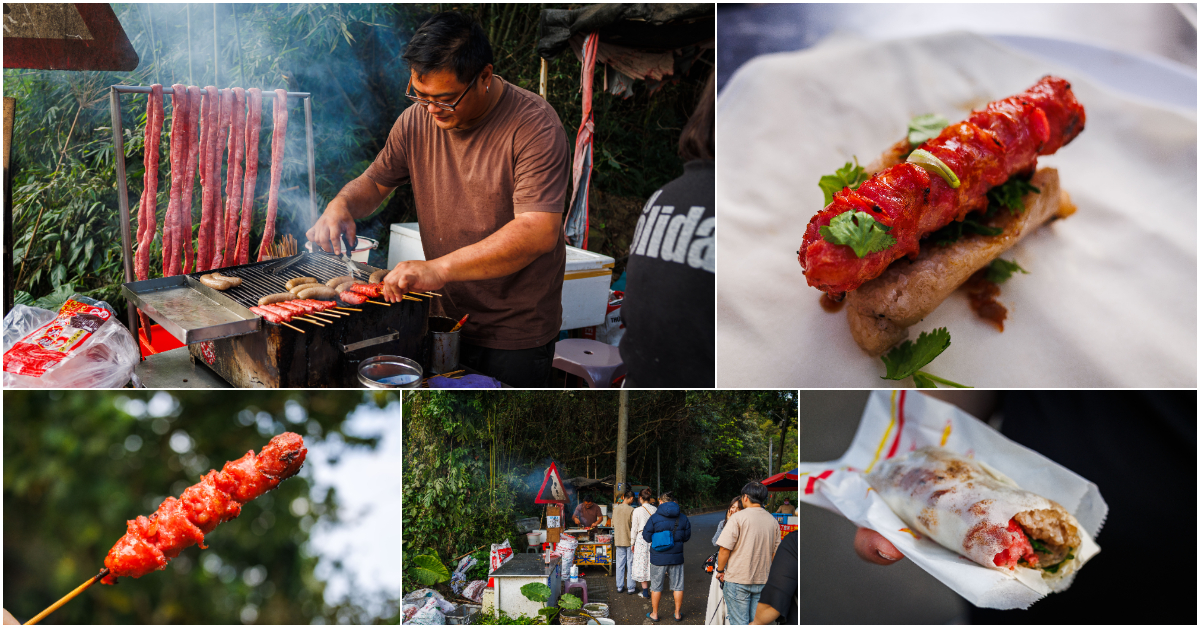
[(1039, 546), (952, 232), (849, 176), (922, 380), (1000, 270), (859, 231), (926, 127), (908, 358), (1010, 195)]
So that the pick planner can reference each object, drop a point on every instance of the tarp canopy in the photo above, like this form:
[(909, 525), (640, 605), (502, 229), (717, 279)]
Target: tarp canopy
[(780, 482), (656, 27)]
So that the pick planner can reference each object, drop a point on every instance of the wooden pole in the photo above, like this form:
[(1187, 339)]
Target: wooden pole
[(622, 444)]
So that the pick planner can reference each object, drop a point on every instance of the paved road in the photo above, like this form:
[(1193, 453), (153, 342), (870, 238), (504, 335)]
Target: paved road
[(632, 609)]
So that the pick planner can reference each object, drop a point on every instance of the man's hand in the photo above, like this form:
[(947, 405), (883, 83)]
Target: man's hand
[(873, 548), (721, 576), (357, 200), (413, 276), (326, 232)]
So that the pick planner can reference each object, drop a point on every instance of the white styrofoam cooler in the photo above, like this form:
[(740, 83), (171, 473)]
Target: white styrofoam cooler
[(585, 283)]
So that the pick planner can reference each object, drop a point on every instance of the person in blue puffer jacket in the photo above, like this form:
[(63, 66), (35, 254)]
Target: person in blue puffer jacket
[(667, 563)]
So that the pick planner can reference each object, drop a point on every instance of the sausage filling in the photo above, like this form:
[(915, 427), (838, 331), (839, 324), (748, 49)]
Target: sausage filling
[(1040, 539)]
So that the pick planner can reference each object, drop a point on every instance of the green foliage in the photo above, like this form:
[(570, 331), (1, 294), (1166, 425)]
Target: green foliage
[(568, 600), (65, 210), (926, 127), (79, 464), (427, 570), (1001, 270), (536, 592), (487, 619)]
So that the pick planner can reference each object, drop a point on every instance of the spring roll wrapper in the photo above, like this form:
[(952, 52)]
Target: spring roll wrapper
[(896, 423)]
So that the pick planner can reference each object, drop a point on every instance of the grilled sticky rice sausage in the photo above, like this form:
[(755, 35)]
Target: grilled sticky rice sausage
[(377, 276), (292, 283), (220, 282), (337, 281), (298, 288)]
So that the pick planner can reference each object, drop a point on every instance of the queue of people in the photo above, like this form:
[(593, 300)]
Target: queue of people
[(752, 582)]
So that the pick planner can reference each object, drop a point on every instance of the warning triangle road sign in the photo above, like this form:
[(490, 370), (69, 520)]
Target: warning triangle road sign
[(556, 493), (65, 36)]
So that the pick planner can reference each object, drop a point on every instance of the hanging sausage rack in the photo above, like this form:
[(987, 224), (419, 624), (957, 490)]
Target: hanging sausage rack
[(123, 182)]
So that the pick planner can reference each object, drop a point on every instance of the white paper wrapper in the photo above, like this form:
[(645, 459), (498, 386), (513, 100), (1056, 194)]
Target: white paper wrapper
[(1110, 300), (897, 422)]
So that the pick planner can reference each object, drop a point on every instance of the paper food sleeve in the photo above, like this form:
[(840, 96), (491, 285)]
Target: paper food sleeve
[(898, 422)]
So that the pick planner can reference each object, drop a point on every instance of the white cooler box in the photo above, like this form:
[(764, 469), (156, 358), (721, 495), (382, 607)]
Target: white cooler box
[(585, 283)]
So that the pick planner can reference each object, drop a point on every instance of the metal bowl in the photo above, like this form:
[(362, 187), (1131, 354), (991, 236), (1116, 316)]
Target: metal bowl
[(389, 371)]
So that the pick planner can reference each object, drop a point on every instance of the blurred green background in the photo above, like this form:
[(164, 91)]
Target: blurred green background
[(77, 465)]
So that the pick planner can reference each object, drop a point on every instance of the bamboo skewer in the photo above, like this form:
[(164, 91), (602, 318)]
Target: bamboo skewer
[(67, 598), (408, 298), (323, 316), (351, 309), (378, 303), (431, 294), (460, 323), (293, 327), (309, 320)]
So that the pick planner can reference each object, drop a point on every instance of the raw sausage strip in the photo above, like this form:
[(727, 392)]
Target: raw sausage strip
[(233, 189), (195, 97), (253, 125), (218, 259), (172, 239), (278, 136), (149, 204), (180, 523), (204, 248)]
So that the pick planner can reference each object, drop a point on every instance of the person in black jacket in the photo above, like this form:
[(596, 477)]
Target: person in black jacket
[(669, 308), (667, 562)]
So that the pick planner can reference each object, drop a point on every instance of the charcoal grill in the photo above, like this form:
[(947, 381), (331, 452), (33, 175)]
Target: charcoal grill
[(273, 355)]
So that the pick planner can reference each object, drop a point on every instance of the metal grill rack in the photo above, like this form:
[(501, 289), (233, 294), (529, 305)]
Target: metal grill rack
[(123, 182), (258, 280)]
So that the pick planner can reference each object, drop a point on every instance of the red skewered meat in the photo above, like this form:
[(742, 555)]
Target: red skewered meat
[(270, 316), (253, 126), (1003, 139), (151, 542), (278, 137), (372, 290)]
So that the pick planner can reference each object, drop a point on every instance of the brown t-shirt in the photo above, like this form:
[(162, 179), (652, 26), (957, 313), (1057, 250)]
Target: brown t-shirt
[(622, 521), (470, 183), (751, 535)]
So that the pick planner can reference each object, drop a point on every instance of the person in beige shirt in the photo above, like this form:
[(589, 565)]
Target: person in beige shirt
[(622, 523), (488, 165), (747, 545)]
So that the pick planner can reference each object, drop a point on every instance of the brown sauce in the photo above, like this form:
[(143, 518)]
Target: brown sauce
[(830, 305), (982, 294)]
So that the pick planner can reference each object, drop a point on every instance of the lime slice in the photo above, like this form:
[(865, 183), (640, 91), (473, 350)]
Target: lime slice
[(933, 165)]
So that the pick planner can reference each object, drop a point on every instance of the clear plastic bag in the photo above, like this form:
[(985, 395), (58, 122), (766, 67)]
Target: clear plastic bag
[(83, 345)]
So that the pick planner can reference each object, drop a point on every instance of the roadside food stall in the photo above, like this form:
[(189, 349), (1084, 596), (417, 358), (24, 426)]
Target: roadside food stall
[(787, 481)]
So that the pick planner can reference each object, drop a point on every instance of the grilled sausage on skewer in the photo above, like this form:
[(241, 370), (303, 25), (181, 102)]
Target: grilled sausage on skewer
[(276, 298), (319, 292)]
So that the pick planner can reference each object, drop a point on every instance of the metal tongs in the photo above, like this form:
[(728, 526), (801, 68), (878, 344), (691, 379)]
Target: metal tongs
[(351, 265)]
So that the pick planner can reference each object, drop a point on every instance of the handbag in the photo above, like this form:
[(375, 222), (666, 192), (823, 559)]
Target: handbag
[(663, 540)]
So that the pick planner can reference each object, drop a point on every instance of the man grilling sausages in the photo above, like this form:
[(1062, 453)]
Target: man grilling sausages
[(488, 165)]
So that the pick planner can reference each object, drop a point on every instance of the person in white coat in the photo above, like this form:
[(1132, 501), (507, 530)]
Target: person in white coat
[(641, 549), (714, 615)]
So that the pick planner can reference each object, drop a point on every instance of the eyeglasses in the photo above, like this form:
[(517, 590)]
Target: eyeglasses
[(440, 105)]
